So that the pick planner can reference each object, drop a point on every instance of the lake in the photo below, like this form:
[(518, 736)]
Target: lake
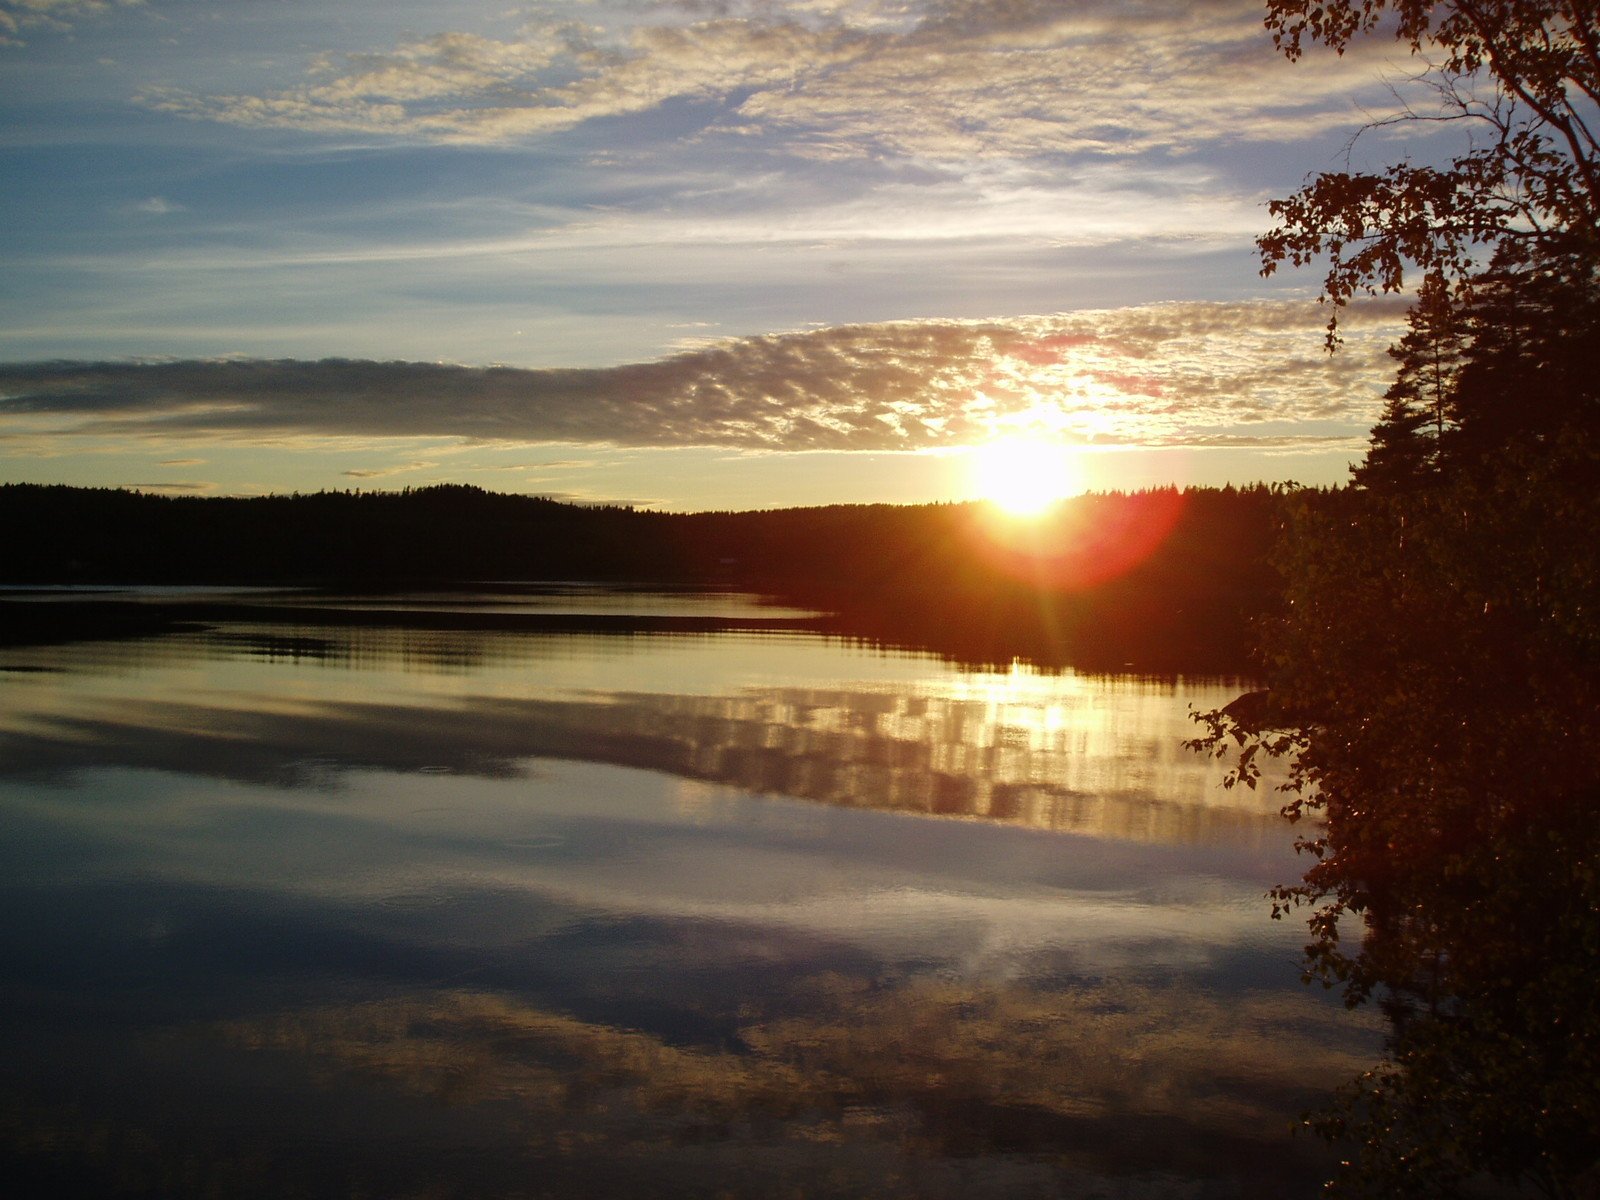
[(645, 895)]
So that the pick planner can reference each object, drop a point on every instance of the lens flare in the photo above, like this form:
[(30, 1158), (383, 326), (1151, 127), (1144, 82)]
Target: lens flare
[(1024, 478)]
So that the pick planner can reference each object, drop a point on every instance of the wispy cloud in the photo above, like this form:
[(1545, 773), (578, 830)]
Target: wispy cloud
[(169, 488), (990, 206), (383, 472), (1162, 375), (932, 80), (156, 206), (16, 16)]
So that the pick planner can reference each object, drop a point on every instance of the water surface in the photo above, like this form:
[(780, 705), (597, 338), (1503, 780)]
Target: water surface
[(337, 910)]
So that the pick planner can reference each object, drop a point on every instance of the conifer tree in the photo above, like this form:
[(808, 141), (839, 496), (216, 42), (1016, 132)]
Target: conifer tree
[(1405, 442), (1533, 368), (1401, 452)]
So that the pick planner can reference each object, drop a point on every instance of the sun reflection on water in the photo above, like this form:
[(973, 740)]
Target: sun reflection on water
[(653, 915)]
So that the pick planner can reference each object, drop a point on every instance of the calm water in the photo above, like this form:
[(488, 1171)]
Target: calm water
[(324, 910)]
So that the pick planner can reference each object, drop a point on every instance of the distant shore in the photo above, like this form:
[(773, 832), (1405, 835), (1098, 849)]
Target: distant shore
[(1160, 580)]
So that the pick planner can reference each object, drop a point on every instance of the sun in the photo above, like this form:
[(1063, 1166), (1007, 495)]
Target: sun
[(1024, 478)]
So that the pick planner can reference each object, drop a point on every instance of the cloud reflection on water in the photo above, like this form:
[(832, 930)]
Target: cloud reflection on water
[(651, 917), (1068, 753), (1094, 1077)]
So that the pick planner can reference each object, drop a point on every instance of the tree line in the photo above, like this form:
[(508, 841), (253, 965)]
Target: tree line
[(1164, 579)]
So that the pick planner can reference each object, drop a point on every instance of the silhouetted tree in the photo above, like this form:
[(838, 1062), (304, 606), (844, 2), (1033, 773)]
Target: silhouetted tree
[(1522, 75), (1535, 353), (1406, 440), (1435, 670), (1402, 450)]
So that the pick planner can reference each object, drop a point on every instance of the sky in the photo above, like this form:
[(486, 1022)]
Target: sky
[(683, 254)]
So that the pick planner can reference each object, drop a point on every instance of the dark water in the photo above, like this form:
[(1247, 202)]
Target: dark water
[(329, 910)]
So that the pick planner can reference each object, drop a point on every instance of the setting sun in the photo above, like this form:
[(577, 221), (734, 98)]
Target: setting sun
[(1022, 477)]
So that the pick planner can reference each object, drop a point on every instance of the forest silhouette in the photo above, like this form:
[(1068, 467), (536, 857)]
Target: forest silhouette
[(1160, 580)]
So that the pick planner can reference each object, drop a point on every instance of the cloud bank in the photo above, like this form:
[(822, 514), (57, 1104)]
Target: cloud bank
[(1189, 374)]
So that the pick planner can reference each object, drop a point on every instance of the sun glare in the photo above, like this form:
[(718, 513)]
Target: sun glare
[(1024, 478)]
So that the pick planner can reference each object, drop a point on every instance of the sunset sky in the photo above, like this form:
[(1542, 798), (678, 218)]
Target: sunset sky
[(686, 254)]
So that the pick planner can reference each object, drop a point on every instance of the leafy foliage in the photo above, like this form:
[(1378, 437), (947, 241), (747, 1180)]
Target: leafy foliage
[(1435, 669), (1523, 77)]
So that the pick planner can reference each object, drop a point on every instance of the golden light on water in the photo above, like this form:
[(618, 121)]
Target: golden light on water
[(1024, 478)]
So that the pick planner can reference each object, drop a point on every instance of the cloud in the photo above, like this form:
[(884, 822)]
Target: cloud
[(56, 16), (1161, 375), (565, 464), (381, 472), (156, 206), (168, 489), (460, 87), (592, 500), (708, 224), (935, 80)]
